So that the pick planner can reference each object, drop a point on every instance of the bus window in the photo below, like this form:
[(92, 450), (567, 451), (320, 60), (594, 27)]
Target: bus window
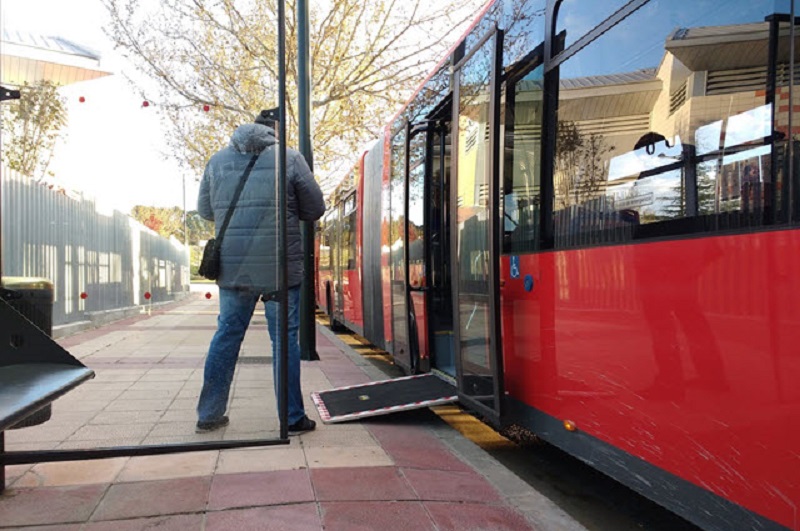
[(349, 234), (663, 127), (577, 17), (522, 163)]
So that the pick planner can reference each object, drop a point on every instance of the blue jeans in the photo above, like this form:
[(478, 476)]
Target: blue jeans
[(235, 310)]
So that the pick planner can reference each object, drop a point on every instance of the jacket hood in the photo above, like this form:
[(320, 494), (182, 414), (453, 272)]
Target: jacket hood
[(252, 138)]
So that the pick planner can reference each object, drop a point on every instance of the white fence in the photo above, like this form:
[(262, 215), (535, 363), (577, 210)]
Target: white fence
[(97, 262)]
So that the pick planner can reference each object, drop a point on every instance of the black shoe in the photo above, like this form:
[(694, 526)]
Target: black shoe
[(212, 425), (301, 426)]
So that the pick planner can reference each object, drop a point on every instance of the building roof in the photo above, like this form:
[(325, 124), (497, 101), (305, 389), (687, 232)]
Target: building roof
[(27, 57), (623, 78)]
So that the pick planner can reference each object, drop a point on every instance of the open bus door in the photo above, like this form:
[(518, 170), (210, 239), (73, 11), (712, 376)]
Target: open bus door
[(475, 249), (428, 228)]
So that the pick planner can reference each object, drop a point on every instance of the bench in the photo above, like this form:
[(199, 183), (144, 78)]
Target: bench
[(34, 371)]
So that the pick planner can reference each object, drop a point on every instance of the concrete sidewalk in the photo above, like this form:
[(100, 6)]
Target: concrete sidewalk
[(408, 471)]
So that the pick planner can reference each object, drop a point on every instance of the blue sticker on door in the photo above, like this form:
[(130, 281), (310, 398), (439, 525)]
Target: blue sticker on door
[(514, 267)]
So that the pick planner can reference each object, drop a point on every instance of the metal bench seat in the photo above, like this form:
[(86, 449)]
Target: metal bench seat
[(28, 387)]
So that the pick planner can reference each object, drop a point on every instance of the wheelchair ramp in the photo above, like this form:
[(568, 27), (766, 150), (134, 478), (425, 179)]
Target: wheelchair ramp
[(383, 397)]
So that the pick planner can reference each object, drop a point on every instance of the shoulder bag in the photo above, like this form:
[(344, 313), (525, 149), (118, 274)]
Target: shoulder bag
[(210, 263)]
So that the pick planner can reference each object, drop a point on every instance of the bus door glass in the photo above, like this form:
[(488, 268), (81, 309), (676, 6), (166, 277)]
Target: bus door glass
[(397, 228), (327, 250), (338, 291), (440, 295), (417, 253), (475, 254)]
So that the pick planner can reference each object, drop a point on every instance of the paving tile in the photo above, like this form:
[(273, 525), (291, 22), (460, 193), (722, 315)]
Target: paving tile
[(353, 484), (111, 375), (72, 473), (111, 431), (57, 527), (260, 488), (264, 385), (153, 498), (415, 447), (345, 381), (153, 467), (450, 486), (301, 517), (262, 393), (79, 405), (424, 457), (336, 456), (183, 403), (62, 417), (369, 516), (182, 522), (157, 404), (165, 428), (323, 342), (475, 517), (103, 443), (149, 394), (14, 472), (126, 417), (166, 375), (106, 396), (251, 424), (54, 505), (41, 433), (261, 460), (324, 437), (234, 434)]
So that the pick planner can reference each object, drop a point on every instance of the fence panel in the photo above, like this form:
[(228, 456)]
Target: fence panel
[(97, 262)]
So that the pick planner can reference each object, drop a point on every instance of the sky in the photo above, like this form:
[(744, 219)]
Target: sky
[(115, 150)]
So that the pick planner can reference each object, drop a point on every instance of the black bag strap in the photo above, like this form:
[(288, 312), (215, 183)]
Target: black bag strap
[(229, 213)]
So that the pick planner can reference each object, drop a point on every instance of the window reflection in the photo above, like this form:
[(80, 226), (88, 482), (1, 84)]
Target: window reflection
[(396, 239), (678, 126), (347, 258), (579, 17), (416, 211), (472, 218), (522, 162)]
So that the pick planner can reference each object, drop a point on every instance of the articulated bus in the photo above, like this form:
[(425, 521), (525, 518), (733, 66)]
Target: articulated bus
[(588, 216)]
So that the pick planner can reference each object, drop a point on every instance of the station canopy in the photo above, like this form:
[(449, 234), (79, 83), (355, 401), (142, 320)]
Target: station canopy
[(28, 58)]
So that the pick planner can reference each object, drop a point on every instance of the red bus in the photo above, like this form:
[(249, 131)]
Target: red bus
[(587, 215)]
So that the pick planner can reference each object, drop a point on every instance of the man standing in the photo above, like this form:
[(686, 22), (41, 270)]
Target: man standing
[(249, 260)]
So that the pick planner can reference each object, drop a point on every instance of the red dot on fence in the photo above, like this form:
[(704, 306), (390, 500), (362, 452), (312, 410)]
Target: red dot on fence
[(81, 99), (145, 103), (208, 295), (147, 295), (206, 108), (84, 295)]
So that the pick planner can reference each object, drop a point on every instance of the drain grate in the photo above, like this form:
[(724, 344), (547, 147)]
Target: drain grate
[(255, 360)]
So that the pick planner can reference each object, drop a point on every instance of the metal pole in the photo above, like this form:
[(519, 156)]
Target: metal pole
[(283, 410), (308, 333)]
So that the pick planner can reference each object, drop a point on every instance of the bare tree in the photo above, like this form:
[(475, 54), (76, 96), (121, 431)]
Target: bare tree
[(212, 66), (580, 172)]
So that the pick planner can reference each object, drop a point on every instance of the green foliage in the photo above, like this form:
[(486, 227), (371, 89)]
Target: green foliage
[(169, 222), (199, 229), (165, 221), (31, 126)]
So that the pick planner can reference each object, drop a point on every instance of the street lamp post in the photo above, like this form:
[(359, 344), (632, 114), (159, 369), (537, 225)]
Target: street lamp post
[(308, 334)]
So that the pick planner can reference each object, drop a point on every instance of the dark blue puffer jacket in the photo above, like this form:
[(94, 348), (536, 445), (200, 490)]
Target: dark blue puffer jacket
[(250, 245)]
